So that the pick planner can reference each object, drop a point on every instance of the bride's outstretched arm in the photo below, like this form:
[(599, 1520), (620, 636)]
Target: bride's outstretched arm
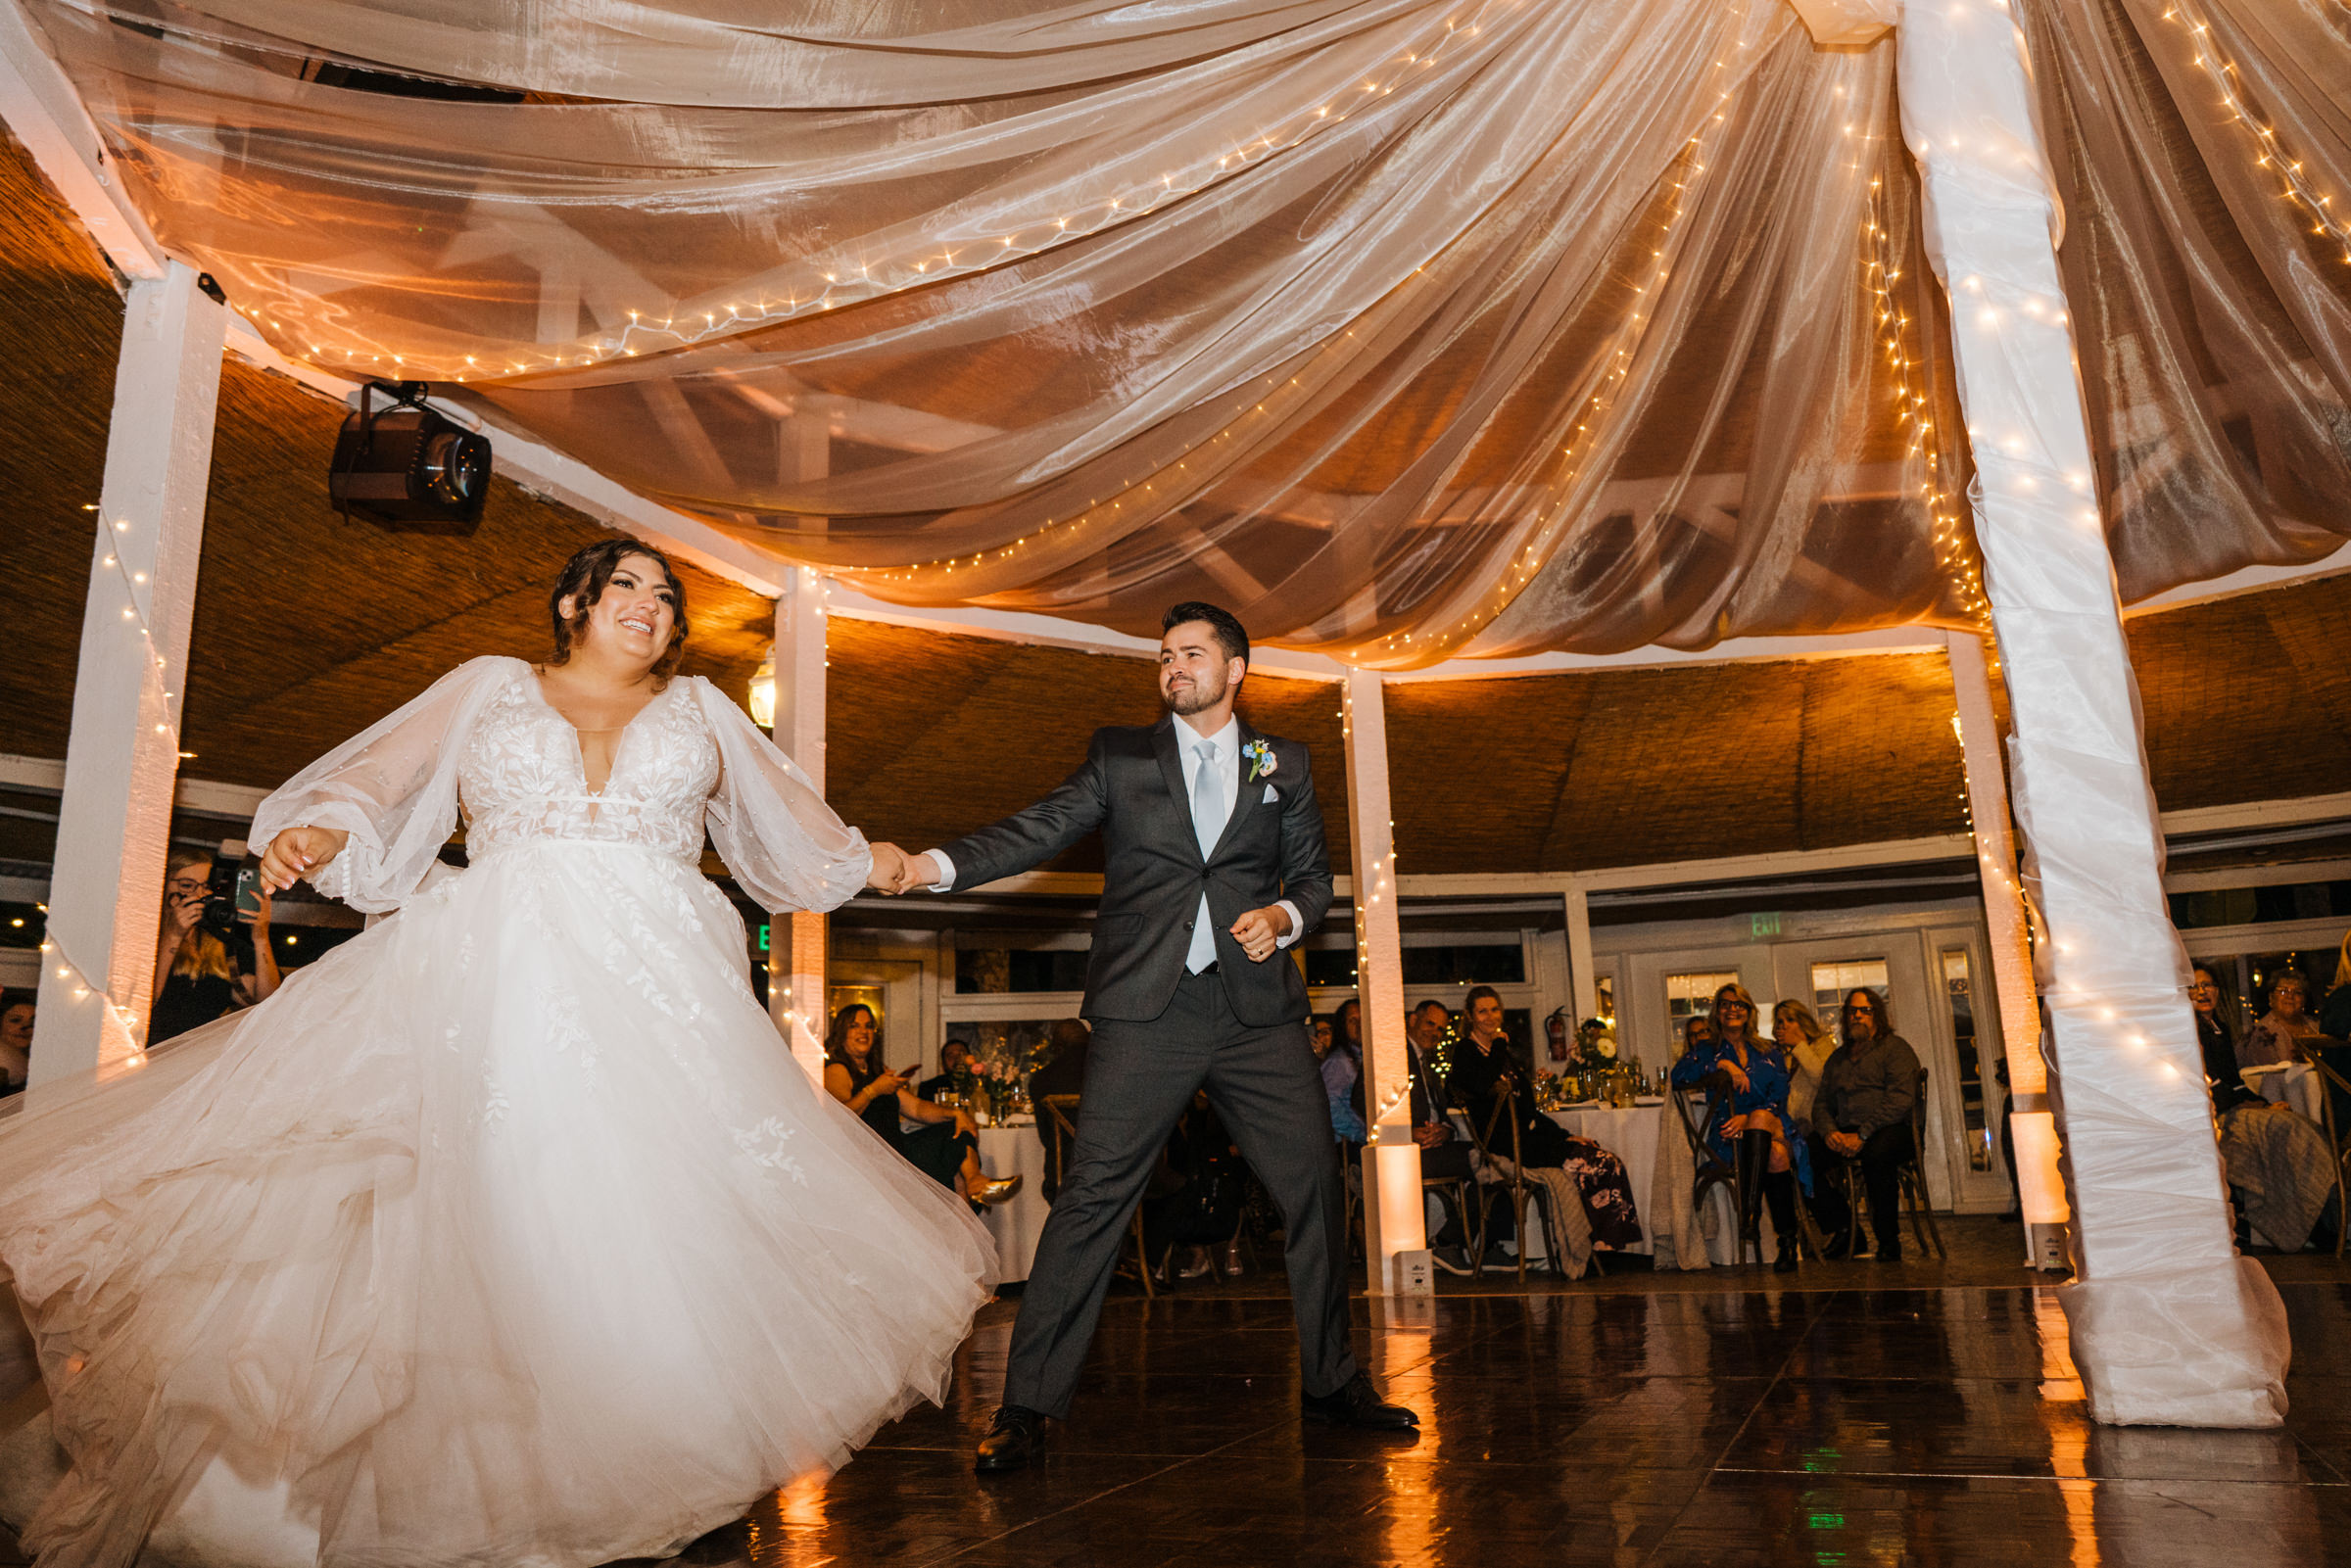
[(772, 827), (365, 822)]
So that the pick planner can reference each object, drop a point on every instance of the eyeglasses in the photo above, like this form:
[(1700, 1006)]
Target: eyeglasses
[(1859, 1007), (1733, 1007)]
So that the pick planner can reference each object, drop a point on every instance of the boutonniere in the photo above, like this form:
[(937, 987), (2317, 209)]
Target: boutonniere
[(1261, 760)]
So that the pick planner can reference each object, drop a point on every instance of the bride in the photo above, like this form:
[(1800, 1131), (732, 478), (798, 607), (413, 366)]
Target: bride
[(506, 1233)]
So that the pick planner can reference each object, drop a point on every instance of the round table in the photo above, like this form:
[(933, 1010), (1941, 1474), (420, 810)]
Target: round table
[(1015, 1149)]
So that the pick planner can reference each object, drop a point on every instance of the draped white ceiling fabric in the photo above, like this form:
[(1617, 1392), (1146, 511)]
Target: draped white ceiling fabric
[(1405, 329)]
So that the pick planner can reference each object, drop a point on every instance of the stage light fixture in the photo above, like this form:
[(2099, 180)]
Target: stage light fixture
[(406, 468)]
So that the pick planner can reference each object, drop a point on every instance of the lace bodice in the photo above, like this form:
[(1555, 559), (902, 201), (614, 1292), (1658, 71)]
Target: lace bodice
[(484, 738), (520, 776)]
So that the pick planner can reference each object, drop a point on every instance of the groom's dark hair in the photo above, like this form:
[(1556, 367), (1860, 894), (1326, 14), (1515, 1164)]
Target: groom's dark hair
[(1231, 635)]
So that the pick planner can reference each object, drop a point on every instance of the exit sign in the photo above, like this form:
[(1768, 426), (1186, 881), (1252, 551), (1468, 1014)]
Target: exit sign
[(1756, 925), (763, 938)]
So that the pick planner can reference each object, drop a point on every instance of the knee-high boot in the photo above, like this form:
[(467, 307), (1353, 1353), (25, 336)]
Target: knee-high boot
[(1779, 1189), (1755, 1159)]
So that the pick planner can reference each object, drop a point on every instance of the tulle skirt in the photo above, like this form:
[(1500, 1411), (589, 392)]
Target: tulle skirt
[(506, 1233)]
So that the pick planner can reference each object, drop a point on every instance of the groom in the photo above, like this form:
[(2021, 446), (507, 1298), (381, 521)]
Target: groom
[(1213, 862)]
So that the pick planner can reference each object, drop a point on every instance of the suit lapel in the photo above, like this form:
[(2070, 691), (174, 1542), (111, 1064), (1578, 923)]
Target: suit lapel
[(1251, 795), (1171, 762)]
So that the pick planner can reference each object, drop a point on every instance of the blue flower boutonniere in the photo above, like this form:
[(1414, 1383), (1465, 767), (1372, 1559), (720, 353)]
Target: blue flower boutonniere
[(1261, 760)]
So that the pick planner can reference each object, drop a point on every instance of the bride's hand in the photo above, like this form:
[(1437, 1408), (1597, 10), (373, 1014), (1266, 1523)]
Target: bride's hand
[(300, 852), (889, 868)]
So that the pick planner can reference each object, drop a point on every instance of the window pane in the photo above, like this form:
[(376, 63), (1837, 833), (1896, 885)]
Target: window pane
[(1691, 995), (1833, 982), (1958, 992)]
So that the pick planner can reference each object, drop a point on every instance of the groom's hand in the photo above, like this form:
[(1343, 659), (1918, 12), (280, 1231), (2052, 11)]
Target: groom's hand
[(1261, 931), (919, 871), (889, 868)]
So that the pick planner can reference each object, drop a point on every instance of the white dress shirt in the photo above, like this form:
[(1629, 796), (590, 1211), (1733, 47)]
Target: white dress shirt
[(1229, 776)]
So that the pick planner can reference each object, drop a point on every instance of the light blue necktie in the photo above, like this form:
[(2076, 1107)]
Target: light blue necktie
[(1208, 824)]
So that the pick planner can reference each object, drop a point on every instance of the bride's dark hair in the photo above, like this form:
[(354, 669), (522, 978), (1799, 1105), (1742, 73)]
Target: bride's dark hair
[(583, 581)]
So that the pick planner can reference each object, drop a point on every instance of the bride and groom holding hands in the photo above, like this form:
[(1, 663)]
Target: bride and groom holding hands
[(505, 1232)]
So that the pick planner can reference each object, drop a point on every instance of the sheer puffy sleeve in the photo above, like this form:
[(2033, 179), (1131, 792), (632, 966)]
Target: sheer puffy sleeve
[(784, 844), (393, 789)]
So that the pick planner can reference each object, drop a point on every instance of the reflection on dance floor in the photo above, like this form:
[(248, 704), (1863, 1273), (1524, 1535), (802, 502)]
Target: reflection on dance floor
[(1736, 1425)]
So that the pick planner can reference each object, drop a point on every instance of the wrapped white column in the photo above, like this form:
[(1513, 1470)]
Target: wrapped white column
[(122, 757), (796, 947), (1395, 1229), (2169, 1325), (2032, 1126)]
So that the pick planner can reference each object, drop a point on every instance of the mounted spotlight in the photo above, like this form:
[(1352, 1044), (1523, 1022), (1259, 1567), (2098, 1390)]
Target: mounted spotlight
[(408, 468)]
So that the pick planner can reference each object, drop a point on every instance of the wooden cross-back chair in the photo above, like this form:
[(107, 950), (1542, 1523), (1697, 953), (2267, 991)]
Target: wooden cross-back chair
[(1063, 1110), (1506, 1110), (2331, 1081)]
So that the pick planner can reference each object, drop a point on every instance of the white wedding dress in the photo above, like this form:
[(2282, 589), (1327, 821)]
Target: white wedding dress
[(509, 1232)]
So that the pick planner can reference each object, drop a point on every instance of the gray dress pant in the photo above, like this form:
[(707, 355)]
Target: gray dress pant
[(1139, 1079)]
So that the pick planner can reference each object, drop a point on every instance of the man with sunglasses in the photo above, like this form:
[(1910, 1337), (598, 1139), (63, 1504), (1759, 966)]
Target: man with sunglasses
[(1862, 1113)]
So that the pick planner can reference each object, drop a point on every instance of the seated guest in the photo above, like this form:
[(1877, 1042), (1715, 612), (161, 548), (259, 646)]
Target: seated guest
[(2335, 1013), (945, 1147), (16, 1040), (1443, 1156), (956, 1063), (1064, 1073), (1753, 1135), (2278, 1034), (1808, 1046), (1193, 1201), (1321, 1035), (1483, 1070), (2218, 1042), (1343, 1071), (1862, 1113), (1698, 1036)]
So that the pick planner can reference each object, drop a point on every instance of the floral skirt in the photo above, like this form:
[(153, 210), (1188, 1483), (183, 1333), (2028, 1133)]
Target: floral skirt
[(1607, 1194)]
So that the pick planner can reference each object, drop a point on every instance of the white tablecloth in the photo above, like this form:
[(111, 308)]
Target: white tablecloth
[(2293, 1083), (1016, 1225)]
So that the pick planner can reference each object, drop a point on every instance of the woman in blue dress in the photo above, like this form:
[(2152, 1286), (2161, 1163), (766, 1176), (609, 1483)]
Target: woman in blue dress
[(1752, 1135)]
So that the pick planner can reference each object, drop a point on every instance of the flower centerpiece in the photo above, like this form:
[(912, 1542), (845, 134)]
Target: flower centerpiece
[(998, 1085)]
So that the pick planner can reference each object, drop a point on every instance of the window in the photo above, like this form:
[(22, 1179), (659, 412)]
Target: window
[(995, 971), (1832, 983), (1447, 964), (2260, 906), (1689, 996), (1958, 992)]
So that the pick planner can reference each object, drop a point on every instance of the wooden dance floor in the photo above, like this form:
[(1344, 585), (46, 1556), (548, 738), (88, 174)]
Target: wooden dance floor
[(1878, 1414), (1914, 1414)]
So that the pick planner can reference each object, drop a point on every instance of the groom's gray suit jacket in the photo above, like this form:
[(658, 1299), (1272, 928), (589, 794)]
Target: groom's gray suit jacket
[(1133, 788)]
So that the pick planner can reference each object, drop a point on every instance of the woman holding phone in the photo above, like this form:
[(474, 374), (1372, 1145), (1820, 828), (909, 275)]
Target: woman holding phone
[(946, 1147), (198, 974)]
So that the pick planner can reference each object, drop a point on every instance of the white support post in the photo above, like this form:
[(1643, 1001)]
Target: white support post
[(122, 757), (2169, 1325), (1395, 1225), (796, 947), (1583, 986), (2032, 1126)]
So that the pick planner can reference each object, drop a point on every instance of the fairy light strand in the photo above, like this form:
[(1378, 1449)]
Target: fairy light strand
[(2294, 185), (1956, 553), (845, 282)]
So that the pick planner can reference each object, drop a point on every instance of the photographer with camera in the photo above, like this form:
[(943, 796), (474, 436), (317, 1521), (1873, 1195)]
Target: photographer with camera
[(203, 966)]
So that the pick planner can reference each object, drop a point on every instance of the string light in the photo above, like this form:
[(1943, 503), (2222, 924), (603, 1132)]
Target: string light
[(1956, 553), (935, 257), (2296, 187), (1582, 443)]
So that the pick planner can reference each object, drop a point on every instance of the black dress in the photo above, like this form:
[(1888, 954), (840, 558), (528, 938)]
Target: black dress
[(935, 1148), (1475, 1081)]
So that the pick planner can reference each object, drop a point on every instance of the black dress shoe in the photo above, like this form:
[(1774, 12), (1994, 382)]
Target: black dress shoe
[(1358, 1403), (1017, 1436)]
